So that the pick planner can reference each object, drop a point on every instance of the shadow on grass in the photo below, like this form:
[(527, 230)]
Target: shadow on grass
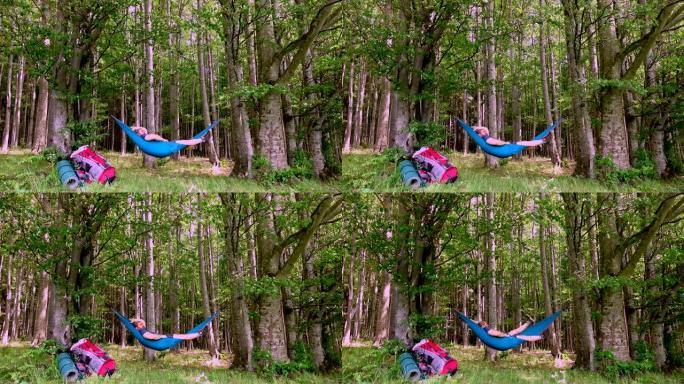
[(367, 171)]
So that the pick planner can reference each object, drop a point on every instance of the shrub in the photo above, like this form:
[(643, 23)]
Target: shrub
[(614, 368)]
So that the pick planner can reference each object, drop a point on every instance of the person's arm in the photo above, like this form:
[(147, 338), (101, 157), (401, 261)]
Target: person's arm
[(153, 336), (495, 333), (493, 141)]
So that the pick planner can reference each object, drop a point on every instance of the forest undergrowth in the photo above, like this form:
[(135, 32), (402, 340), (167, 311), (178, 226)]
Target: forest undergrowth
[(364, 170), (20, 363), (22, 171), (365, 364)]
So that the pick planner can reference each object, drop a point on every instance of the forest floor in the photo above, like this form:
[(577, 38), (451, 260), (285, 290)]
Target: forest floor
[(364, 364), (21, 171), (21, 364), (364, 170)]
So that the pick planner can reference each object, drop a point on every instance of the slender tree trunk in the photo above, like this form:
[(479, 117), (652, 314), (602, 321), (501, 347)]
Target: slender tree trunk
[(150, 307), (359, 126), (8, 110), (9, 302), (213, 155), (490, 250), (548, 306), (492, 119), (350, 111), (16, 122), (206, 300), (548, 113), (151, 125)]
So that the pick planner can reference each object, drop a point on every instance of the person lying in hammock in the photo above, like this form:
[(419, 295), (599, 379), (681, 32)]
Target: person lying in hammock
[(513, 333), (142, 131), (484, 134), (141, 327)]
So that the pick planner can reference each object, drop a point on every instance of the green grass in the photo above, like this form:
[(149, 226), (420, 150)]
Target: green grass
[(21, 364), (366, 171), (364, 364), (20, 171)]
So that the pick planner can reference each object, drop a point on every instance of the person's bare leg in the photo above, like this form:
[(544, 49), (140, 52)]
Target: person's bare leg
[(519, 329), (190, 142), (529, 338), (154, 137), (530, 143), (186, 336)]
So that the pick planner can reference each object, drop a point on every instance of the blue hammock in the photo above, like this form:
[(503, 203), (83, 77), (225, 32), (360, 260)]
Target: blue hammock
[(506, 343), (502, 151), (161, 344), (158, 148)]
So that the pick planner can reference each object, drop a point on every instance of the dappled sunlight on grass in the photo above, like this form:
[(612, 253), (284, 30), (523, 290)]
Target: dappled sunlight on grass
[(22, 171), (364, 170), (372, 365)]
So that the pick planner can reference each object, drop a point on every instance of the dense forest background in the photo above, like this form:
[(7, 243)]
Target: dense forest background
[(297, 82), (269, 263), (612, 263), (268, 70), (611, 70)]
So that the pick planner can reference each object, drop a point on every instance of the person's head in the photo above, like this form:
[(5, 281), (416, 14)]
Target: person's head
[(480, 130), (138, 323), (483, 324), (142, 131)]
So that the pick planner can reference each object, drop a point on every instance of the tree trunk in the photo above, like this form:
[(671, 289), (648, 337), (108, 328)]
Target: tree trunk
[(206, 300), (40, 131), (9, 301), (151, 125), (583, 133), (383, 311), (8, 110), (548, 306), (582, 326), (490, 250), (150, 307), (382, 131), (492, 120), (41, 310), (242, 135), (553, 148), (359, 124), (350, 111), (657, 330), (211, 149), (16, 122)]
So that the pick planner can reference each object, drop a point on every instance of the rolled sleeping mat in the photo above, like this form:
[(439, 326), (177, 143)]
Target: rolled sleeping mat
[(67, 368), (409, 174), (67, 174), (409, 367)]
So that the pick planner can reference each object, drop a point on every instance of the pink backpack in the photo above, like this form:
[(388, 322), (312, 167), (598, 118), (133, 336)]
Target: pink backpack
[(434, 359), (93, 165), (94, 358), (435, 166)]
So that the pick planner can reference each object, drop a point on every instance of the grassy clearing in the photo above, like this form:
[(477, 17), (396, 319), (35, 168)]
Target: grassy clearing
[(20, 171), (364, 364), (21, 364), (366, 171)]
